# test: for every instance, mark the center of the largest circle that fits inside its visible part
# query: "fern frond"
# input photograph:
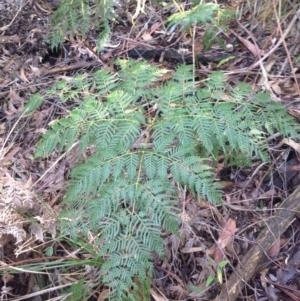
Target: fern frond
(104, 81)
(34, 102)
(77, 16)
(202, 13)
(123, 193)
(202, 127)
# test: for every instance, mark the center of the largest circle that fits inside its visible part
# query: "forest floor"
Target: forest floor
(259, 46)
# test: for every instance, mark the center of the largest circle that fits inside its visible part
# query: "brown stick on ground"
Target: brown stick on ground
(250, 263)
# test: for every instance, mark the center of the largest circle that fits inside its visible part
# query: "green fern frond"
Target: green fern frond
(33, 103)
(146, 137)
(104, 81)
(202, 13)
(78, 291)
(77, 18)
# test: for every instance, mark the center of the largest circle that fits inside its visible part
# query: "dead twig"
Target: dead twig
(68, 68)
(251, 262)
(3, 28)
(283, 36)
(285, 46)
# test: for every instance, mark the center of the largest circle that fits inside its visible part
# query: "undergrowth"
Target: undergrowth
(149, 139)
(77, 17)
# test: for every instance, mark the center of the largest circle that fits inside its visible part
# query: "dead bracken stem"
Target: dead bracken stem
(9, 134)
(297, 15)
(284, 35)
(54, 164)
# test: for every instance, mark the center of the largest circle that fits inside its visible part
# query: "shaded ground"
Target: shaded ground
(251, 194)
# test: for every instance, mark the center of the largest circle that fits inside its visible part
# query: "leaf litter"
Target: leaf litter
(208, 234)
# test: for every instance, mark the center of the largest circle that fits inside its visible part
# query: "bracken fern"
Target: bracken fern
(77, 17)
(146, 139)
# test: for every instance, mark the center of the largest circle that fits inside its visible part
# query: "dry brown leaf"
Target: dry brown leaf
(274, 250)
(254, 49)
(102, 295)
(14, 195)
(23, 76)
(290, 142)
(147, 37)
(225, 239)
(11, 154)
(276, 88)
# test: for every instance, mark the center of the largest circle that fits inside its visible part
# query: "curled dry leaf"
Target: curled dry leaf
(147, 37)
(253, 48)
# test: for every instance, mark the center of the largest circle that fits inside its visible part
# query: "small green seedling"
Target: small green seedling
(218, 272)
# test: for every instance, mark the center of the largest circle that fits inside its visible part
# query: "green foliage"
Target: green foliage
(77, 17)
(201, 13)
(211, 16)
(218, 25)
(77, 292)
(218, 271)
(211, 37)
(146, 138)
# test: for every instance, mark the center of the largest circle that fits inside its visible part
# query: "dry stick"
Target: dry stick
(69, 68)
(284, 35)
(251, 262)
(294, 49)
(285, 46)
(9, 134)
(47, 6)
(3, 28)
(48, 290)
(137, 42)
(55, 163)
(263, 69)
